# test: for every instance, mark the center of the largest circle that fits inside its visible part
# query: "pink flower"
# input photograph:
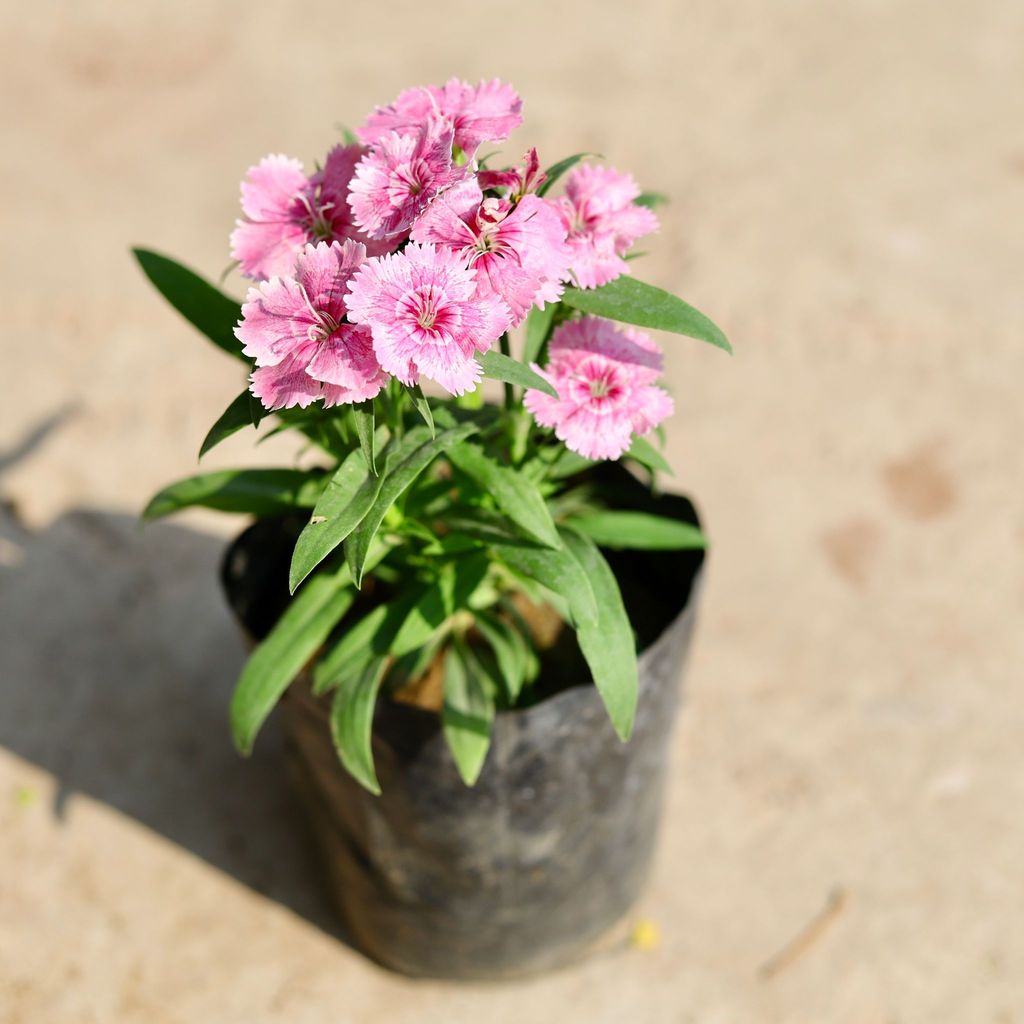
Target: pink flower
(426, 316)
(520, 180)
(518, 251)
(487, 112)
(274, 230)
(602, 222)
(604, 376)
(293, 327)
(284, 210)
(332, 213)
(395, 181)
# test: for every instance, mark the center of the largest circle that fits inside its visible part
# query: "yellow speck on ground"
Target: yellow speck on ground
(645, 936)
(24, 796)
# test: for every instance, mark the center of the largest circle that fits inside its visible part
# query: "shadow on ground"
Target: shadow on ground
(117, 657)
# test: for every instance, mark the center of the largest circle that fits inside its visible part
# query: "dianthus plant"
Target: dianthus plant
(432, 524)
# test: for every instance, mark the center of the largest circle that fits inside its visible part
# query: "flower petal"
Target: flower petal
(285, 385)
(276, 322)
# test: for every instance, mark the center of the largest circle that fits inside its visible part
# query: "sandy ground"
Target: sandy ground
(849, 194)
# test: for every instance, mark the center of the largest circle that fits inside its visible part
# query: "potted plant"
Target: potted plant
(474, 612)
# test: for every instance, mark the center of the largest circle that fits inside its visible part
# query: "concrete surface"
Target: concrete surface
(844, 837)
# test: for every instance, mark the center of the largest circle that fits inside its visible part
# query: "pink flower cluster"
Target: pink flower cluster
(402, 257)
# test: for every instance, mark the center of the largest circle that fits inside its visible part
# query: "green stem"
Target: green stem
(395, 396)
(520, 436)
(510, 398)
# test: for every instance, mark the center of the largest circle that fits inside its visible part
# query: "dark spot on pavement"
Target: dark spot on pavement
(851, 547)
(919, 485)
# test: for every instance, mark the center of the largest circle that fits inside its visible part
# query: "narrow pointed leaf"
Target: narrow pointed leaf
(638, 530)
(352, 723)
(204, 306)
(538, 327)
(501, 367)
(651, 199)
(411, 667)
(363, 416)
(569, 463)
(338, 512)
(296, 637)
(522, 632)
(397, 477)
(472, 528)
(607, 644)
(510, 652)
(642, 451)
(467, 714)
(350, 654)
(372, 636)
(424, 620)
(423, 407)
(244, 411)
(556, 170)
(452, 591)
(631, 301)
(260, 492)
(515, 495)
(559, 571)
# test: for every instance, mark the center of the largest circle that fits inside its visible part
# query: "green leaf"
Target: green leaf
(244, 411)
(569, 463)
(642, 451)
(344, 502)
(364, 420)
(513, 493)
(259, 492)
(411, 667)
(470, 526)
(454, 587)
(423, 407)
(372, 636)
(510, 652)
(326, 432)
(204, 306)
(351, 653)
(556, 170)
(608, 643)
(430, 499)
(423, 621)
(397, 477)
(522, 632)
(651, 199)
(557, 570)
(639, 530)
(352, 723)
(467, 714)
(296, 637)
(501, 367)
(633, 302)
(538, 327)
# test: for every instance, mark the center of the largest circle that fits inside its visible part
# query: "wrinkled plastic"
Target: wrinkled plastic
(551, 847)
